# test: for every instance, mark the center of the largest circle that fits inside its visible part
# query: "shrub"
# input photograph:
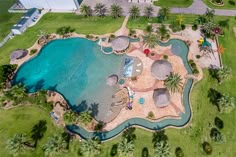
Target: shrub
(33, 51)
(179, 152)
(207, 148)
(190, 61)
(231, 2)
(89, 36)
(150, 115)
(198, 56)
(149, 28)
(165, 57)
(145, 152)
(112, 36)
(193, 65)
(183, 26)
(194, 27)
(99, 126)
(195, 71)
(114, 150)
(219, 123)
(216, 136)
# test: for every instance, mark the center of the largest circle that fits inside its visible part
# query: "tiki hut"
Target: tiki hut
(120, 43)
(161, 97)
(112, 80)
(18, 54)
(161, 69)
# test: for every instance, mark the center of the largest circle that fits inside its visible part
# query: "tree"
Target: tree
(179, 152)
(217, 136)
(55, 145)
(219, 123)
(16, 144)
(129, 134)
(125, 148)
(70, 117)
(85, 10)
(85, 117)
(164, 13)
(209, 14)
(163, 32)
(38, 131)
(222, 74)
(6, 73)
(150, 40)
(180, 19)
(158, 137)
(208, 28)
(65, 30)
(91, 147)
(174, 83)
(148, 29)
(148, 11)
(134, 12)
(100, 9)
(116, 11)
(162, 150)
(226, 104)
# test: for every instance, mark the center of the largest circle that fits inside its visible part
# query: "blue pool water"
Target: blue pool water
(77, 69)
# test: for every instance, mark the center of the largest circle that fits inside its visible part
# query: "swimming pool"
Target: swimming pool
(77, 69)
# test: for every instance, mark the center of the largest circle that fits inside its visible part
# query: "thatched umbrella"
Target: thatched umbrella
(112, 80)
(161, 97)
(120, 43)
(18, 54)
(161, 69)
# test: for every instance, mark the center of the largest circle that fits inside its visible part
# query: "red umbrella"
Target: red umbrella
(146, 51)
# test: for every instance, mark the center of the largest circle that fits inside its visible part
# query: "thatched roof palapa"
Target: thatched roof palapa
(161, 97)
(112, 80)
(18, 54)
(120, 43)
(161, 69)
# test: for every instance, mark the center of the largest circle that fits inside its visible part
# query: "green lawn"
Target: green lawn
(7, 20)
(226, 5)
(173, 3)
(50, 22)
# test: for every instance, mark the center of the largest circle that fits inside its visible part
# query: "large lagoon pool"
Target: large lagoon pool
(77, 69)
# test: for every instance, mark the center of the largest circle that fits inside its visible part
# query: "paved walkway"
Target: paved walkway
(198, 7)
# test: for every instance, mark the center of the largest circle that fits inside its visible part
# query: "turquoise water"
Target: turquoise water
(107, 49)
(77, 69)
(180, 49)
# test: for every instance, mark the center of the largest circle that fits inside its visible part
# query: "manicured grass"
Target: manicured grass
(226, 5)
(173, 3)
(7, 20)
(49, 24)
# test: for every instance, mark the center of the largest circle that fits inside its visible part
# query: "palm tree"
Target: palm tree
(163, 32)
(85, 10)
(174, 83)
(129, 134)
(208, 27)
(70, 117)
(116, 11)
(226, 104)
(125, 148)
(134, 12)
(164, 13)
(148, 11)
(18, 92)
(180, 19)
(100, 9)
(38, 131)
(209, 14)
(85, 117)
(223, 74)
(91, 147)
(162, 150)
(150, 40)
(55, 145)
(17, 144)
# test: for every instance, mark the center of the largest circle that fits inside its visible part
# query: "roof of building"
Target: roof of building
(161, 97)
(120, 43)
(161, 69)
(112, 80)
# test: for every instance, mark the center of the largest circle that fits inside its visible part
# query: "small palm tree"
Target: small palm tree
(163, 32)
(164, 13)
(55, 145)
(125, 148)
(209, 14)
(16, 144)
(162, 150)
(129, 134)
(208, 27)
(85, 117)
(180, 19)
(18, 92)
(150, 40)
(38, 131)
(223, 74)
(134, 12)
(100, 9)
(148, 11)
(174, 83)
(116, 11)
(70, 117)
(226, 104)
(91, 147)
(85, 10)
